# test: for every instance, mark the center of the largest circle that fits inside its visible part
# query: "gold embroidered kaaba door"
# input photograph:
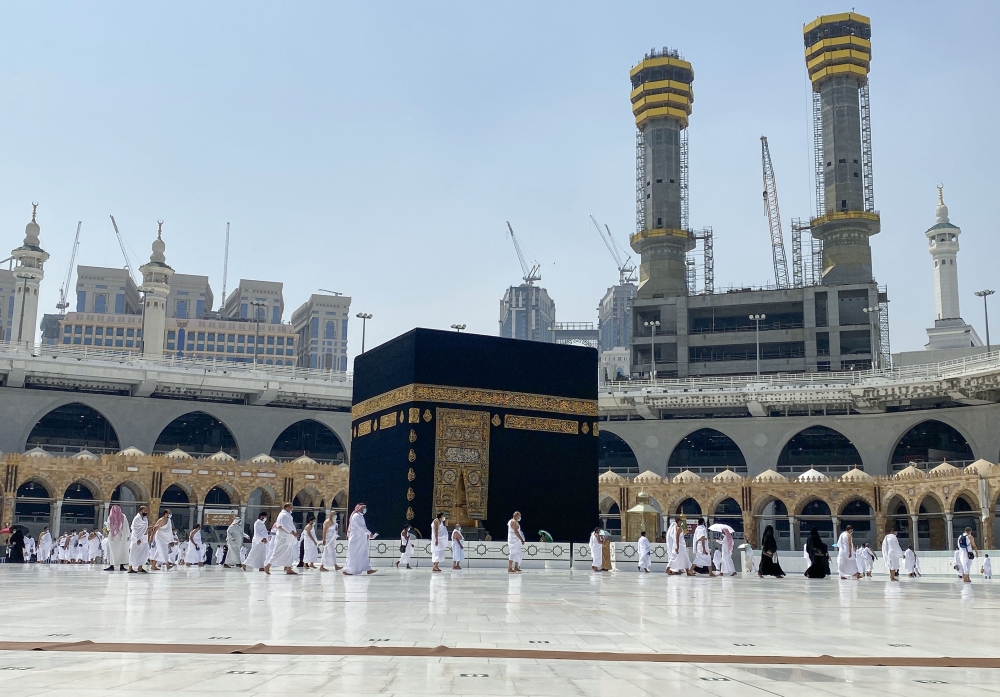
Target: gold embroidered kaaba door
(462, 464)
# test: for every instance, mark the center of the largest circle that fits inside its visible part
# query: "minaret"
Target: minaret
(155, 288)
(28, 274)
(950, 330)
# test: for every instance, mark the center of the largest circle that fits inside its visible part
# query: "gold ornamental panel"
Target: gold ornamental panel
(462, 464)
(473, 397)
(537, 423)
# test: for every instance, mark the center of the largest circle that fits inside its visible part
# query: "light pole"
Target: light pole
(986, 313)
(364, 317)
(25, 276)
(757, 319)
(652, 324)
(872, 313)
(257, 306)
(458, 327)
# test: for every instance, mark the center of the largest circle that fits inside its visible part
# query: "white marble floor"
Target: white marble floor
(489, 609)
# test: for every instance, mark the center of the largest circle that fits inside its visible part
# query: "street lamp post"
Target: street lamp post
(257, 305)
(458, 327)
(986, 314)
(25, 276)
(757, 319)
(872, 313)
(652, 324)
(364, 317)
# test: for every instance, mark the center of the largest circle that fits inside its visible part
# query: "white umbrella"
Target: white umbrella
(719, 527)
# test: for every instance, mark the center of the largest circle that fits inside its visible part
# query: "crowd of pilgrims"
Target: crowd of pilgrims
(131, 547)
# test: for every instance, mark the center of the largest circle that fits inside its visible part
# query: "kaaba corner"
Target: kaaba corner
(476, 427)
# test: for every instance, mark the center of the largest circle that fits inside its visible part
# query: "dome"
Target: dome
(726, 475)
(770, 476)
(610, 477)
(648, 477)
(177, 454)
(909, 473)
(85, 455)
(304, 460)
(220, 456)
(158, 246)
(31, 230)
(262, 459)
(686, 476)
(856, 475)
(812, 475)
(981, 467)
(131, 451)
(37, 452)
(945, 468)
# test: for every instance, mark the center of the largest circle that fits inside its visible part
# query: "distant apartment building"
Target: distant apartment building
(7, 282)
(262, 299)
(190, 296)
(320, 325)
(106, 291)
(527, 312)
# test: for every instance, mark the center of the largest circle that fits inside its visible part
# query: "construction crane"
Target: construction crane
(225, 270)
(773, 218)
(532, 273)
(121, 243)
(63, 303)
(626, 270)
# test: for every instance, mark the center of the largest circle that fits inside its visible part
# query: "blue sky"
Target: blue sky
(377, 148)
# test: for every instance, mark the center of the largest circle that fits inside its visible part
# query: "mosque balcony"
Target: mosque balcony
(107, 372)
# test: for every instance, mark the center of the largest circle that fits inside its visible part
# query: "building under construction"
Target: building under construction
(828, 314)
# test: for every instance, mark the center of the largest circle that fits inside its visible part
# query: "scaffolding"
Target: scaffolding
(798, 275)
(817, 260)
(818, 167)
(640, 181)
(685, 219)
(883, 328)
(691, 273)
(866, 148)
(705, 237)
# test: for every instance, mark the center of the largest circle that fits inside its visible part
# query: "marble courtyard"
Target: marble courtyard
(544, 632)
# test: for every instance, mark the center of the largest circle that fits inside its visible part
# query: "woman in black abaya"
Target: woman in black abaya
(769, 556)
(819, 556)
(16, 547)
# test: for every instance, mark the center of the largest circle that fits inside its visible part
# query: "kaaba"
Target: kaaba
(476, 427)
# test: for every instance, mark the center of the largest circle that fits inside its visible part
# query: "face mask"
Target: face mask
(364, 511)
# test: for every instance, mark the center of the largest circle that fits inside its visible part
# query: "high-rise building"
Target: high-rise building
(661, 102)
(106, 291)
(614, 317)
(838, 59)
(30, 259)
(190, 296)
(320, 325)
(527, 312)
(260, 298)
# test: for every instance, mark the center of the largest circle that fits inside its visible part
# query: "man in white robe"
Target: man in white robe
(892, 555)
(668, 537)
(987, 567)
(194, 555)
(139, 547)
(286, 543)
(681, 561)
(118, 538)
(405, 547)
(644, 554)
(29, 548)
(234, 542)
(847, 562)
(457, 548)
(515, 542)
(220, 554)
(44, 546)
(162, 536)
(330, 531)
(358, 550)
(439, 541)
(702, 556)
(596, 550)
(310, 546)
(967, 548)
(727, 567)
(258, 546)
(909, 559)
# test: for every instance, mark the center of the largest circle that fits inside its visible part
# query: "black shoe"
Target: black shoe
(122, 567)
(110, 568)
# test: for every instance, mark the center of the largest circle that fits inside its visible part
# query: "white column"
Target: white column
(22, 328)
(949, 530)
(56, 516)
(914, 520)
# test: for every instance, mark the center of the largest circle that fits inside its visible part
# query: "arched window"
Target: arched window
(79, 509)
(728, 511)
(689, 507)
(308, 437)
(33, 507)
(72, 428)
(615, 454)
(928, 443)
(819, 448)
(198, 434)
(706, 451)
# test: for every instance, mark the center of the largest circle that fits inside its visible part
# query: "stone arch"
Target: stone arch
(728, 511)
(177, 493)
(614, 454)
(197, 433)
(79, 508)
(33, 505)
(929, 441)
(606, 503)
(771, 510)
(818, 447)
(263, 499)
(966, 514)
(222, 495)
(706, 451)
(340, 499)
(849, 505)
(71, 428)
(309, 437)
(689, 506)
(129, 495)
(179, 498)
(931, 529)
(814, 505)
